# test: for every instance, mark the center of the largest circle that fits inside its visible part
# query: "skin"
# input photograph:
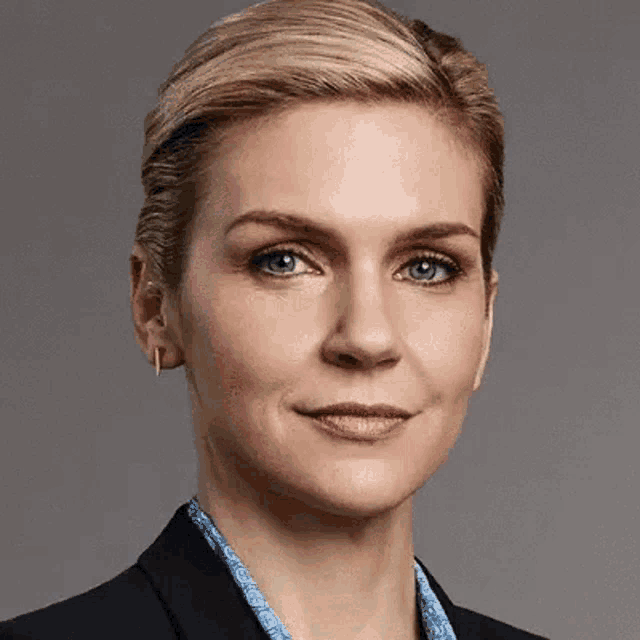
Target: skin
(324, 525)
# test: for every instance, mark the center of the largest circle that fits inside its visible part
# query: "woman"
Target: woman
(323, 184)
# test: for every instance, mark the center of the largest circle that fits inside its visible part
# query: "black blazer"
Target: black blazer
(179, 588)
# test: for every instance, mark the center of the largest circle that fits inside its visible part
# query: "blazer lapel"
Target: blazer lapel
(447, 605)
(196, 588)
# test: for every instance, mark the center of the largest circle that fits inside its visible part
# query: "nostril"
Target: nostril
(348, 360)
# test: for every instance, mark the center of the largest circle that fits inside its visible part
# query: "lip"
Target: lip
(357, 428)
(359, 410)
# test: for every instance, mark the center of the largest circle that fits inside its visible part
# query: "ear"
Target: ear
(488, 327)
(155, 317)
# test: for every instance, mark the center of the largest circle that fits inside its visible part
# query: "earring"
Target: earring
(157, 361)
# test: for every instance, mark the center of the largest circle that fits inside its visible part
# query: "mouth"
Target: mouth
(358, 410)
(358, 422)
(360, 429)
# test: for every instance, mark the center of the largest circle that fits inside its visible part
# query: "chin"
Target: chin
(360, 490)
(363, 483)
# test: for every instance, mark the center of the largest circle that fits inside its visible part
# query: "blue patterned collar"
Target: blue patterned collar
(434, 619)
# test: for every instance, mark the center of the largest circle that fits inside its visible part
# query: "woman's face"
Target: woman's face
(278, 318)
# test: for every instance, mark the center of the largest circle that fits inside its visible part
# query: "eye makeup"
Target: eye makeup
(292, 253)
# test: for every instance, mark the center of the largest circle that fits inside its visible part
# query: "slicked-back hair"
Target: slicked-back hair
(278, 54)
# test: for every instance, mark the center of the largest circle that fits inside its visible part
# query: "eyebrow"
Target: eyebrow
(296, 222)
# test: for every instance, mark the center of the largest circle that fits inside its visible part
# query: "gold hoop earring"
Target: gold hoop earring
(157, 361)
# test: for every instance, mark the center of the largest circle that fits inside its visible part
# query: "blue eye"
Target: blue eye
(428, 270)
(278, 261)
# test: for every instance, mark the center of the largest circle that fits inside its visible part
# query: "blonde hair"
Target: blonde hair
(280, 53)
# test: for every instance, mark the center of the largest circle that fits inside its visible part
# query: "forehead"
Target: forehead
(349, 164)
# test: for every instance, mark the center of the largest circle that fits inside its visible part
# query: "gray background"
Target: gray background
(534, 520)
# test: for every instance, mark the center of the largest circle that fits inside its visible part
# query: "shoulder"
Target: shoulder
(124, 607)
(470, 625)
(178, 588)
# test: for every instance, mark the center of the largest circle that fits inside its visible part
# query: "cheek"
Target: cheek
(448, 344)
(251, 339)
(258, 342)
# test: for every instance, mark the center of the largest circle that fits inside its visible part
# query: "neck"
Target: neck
(322, 572)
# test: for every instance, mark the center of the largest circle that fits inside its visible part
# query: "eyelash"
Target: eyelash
(454, 269)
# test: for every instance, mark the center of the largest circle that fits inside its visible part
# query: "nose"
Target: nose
(362, 335)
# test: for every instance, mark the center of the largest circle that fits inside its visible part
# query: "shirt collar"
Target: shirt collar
(435, 624)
